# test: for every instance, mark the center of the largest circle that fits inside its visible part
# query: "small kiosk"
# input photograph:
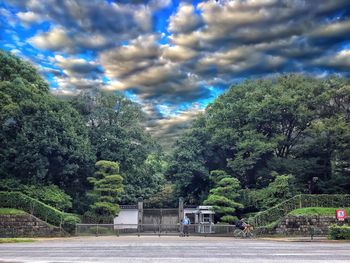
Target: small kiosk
(204, 218)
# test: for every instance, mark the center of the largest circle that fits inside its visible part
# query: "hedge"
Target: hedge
(299, 201)
(339, 232)
(34, 207)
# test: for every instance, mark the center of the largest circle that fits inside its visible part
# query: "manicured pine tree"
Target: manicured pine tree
(224, 195)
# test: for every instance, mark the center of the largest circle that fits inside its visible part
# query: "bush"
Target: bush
(51, 195)
(317, 211)
(11, 211)
(339, 232)
(69, 223)
(93, 218)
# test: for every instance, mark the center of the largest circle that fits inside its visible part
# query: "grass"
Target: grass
(15, 240)
(11, 211)
(317, 211)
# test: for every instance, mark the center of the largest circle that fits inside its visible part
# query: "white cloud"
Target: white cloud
(185, 20)
(56, 39)
(73, 66)
(340, 60)
(177, 53)
(332, 29)
(28, 18)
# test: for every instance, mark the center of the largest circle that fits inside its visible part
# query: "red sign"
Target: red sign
(340, 214)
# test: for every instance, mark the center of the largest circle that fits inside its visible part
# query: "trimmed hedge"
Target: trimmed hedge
(339, 232)
(11, 211)
(317, 211)
(34, 207)
(299, 201)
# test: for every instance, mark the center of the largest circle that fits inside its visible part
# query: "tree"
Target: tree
(107, 189)
(223, 196)
(163, 198)
(265, 120)
(117, 134)
(280, 189)
(188, 169)
(43, 139)
(295, 126)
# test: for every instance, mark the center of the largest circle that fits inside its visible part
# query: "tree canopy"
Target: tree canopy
(292, 125)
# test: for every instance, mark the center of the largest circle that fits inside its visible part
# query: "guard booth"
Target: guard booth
(204, 218)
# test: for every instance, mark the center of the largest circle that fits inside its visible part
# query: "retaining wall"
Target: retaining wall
(26, 226)
(301, 226)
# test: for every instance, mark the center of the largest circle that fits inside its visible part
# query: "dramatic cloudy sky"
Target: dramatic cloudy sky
(174, 57)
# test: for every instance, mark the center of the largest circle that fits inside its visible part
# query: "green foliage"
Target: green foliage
(188, 166)
(108, 187)
(46, 140)
(69, 223)
(278, 190)
(294, 126)
(50, 195)
(11, 211)
(299, 201)
(32, 206)
(224, 195)
(163, 198)
(43, 139)
(316, 211)
(229, 219)
(116, 131)
(339, 232)
(13, 68)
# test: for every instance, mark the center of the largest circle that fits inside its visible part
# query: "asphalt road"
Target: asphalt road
(173, 249)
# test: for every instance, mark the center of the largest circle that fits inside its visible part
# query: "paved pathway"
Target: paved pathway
(173, 249)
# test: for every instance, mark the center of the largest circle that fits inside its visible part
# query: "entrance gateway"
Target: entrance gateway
(132, 216)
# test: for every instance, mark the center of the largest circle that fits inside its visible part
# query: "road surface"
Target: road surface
(173, 250)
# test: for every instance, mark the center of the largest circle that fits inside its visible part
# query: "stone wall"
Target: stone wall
(303, 225)
(26, 226)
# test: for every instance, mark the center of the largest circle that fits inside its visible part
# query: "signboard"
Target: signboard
(340, 214)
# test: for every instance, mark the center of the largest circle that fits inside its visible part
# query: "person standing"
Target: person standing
(185, 224)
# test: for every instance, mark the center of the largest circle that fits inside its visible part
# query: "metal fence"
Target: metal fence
(153, 229)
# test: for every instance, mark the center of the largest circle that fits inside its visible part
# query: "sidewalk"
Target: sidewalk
(303, 239)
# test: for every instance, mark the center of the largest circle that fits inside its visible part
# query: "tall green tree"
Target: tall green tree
(188, 168)
(43, 139)
(117, 133)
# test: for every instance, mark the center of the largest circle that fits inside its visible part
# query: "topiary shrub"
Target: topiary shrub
(339, 232)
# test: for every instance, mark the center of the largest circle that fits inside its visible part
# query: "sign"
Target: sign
(340, 214)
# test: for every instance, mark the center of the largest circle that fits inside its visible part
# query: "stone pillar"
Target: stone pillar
(181, 209)
(140, 214)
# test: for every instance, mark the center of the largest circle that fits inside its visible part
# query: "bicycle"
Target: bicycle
(247, 232)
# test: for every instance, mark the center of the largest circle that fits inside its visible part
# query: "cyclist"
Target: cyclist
(245, 229)
(241, 224)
